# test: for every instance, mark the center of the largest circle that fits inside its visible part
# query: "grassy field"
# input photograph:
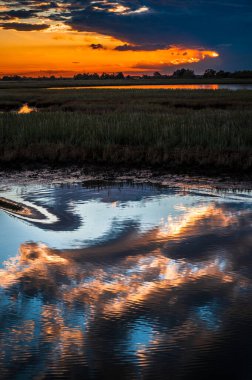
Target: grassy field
(184, 129)
(113, 83)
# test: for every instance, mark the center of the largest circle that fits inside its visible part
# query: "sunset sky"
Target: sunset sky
(71, 36)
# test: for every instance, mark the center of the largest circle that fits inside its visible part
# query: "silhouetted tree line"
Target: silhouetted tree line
(210, 73)
(18, 77)
(179, 74)
(97, 76)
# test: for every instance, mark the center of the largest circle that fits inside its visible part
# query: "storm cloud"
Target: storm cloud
(224, 25)
(97, 47)
(20, 14)
(23, 27)
(142, 47)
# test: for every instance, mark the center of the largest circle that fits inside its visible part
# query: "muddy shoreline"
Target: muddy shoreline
(19, 209)
(93, 175)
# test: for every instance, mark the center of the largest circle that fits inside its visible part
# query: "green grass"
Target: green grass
(209, 129)
(109, 100)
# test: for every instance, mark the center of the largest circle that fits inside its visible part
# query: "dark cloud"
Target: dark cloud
(200, 24)
(38, 5)
(97, 47)
(143, 47)
(168, 67)
(21, 14)
(23, 27)
(47, 6)
(224, 25)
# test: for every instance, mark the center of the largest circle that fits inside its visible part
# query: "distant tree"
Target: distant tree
(77, 77)
(157, 75)
(85, 76)
(119, 76)
(243, 74)
(183, 73)
(95, 76)
(224, 74)
(12, 77)
(209, 73)
(105, 76)
(81, 76)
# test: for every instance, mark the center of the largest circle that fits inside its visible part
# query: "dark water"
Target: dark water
(232, 87)
(126, 283)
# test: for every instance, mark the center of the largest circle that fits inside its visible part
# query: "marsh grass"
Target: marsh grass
(211, 129)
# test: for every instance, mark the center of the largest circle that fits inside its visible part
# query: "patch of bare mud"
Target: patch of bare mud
(94, 175)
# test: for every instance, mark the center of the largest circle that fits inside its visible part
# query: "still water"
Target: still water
(126, 282)
(232, 87)
(25, 109)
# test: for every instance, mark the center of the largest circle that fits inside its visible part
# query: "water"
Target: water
(232, 87)
(25, 109)
(126, 282)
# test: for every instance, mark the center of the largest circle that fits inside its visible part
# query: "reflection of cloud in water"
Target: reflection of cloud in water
(35, 257)
(186, 223)
(86, 291)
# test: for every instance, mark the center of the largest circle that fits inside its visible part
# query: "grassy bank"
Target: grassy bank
(116, 82)
(188, 129)
(124, 101)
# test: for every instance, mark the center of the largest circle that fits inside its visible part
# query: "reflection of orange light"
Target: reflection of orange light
(39, 254)
(25, 109)
(114, 204)
(21, 210)
(127, 287)
(33, 259)
(129, 284)
(176, 227)
(54, 328)
(171, 274)
(145, 86)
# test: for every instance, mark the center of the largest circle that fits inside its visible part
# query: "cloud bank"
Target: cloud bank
(224, 25)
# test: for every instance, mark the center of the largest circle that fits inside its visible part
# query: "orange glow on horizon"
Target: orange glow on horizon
(62, 51)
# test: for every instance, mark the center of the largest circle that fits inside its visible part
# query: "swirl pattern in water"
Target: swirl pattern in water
(125, 282)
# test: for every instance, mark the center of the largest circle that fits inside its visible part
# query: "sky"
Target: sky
(134, 36)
